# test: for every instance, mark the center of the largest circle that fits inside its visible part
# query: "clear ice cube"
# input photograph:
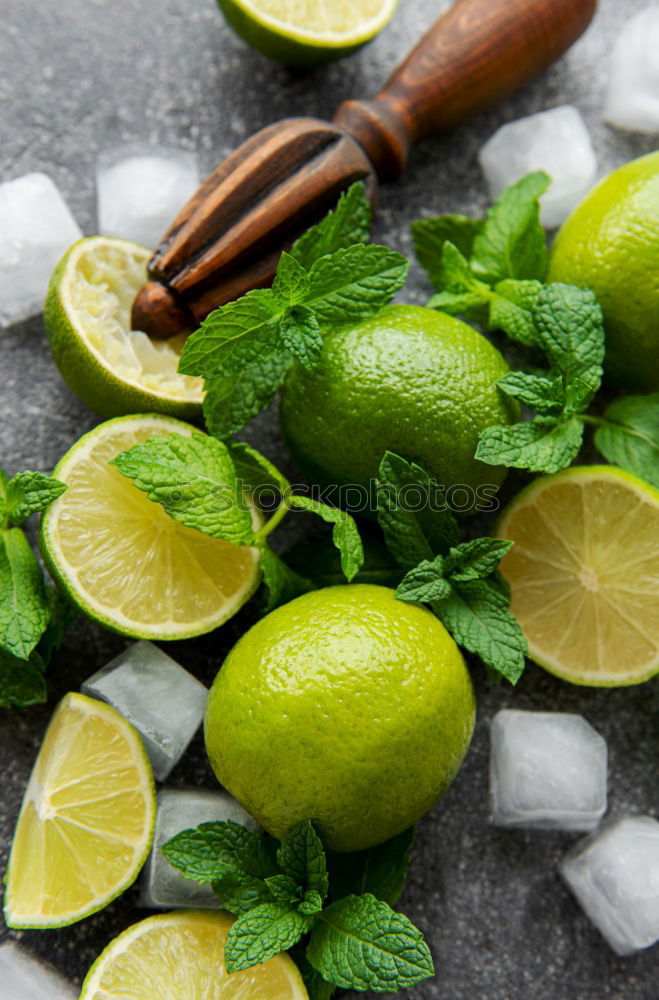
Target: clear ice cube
(36, 227)
(615, 876)
(23, 977)
(141, 192)
(162, 887)
(632, 99)
(548, 770)
(556, 141)
(163, 701)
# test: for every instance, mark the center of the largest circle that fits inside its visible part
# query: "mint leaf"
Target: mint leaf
(477, 616)
(61, 614)
(233, 337)
(430, 235)
(541, 445)
(312, 903)
(543, 393)
(471, 304)
(300, 334)
(282, 583)
(194, 480)
(240, 892)
(213, 849)
(475, 560)
(28, 493)
(302, 857)
(380, 870)
(462, 293)
(629, 436)
(265, 931)
(347, 224)
(320, 560)
(571, 331)
(232, 400)
(254, 471)
(512, 243)
(283, 889)
(361, 943)
(291, 281)
(344, 535)
(415, 520)
(424, 583)
(511, 309)
(24, 610)
(351, 284)
(22, 682)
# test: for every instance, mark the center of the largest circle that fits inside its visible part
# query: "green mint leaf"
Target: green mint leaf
(470, 304)
(232, 400)
(478, 617)
(430, 235)
(312, 903)
(416, 523)
(351, 284)
(28, 493)
(61, 614)
(24, 610)
(475, 560)
(194, 480)
(512, 243)
(379, 870)
(545, 394)
(233, 337)
(541, 445)
(265, 931)
(361, 943)
(320, 560)
(282, 583)
(239, 892)
(254, 471)
(629, 436)
(206, 853)
(347, 224)
(300, 334)
(345, 534)
(302, 857)
(511, 310)
(571, 331)
(455, 275)
(22, 682)
(424, 583)
(291, 281)
(283, 889)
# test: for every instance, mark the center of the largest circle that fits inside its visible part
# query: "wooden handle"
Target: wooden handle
(474, 56)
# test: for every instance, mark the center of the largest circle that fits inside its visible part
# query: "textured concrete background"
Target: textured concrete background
(80, 75)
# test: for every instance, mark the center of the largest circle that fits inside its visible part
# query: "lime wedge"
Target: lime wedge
(584, 574)
(304, 32)
(180, 956)
(113, 369)
(86, 822)
(124, 561)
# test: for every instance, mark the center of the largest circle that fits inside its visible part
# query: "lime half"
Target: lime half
(123, 560)
(180, 956)
(113, 369)
(304, 32)
(584, 574)
(86, 823)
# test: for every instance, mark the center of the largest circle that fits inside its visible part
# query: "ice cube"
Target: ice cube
(140, 193)
(615, 876)
(182, 809)
(556, 141)
(547, 770)
(36, 227)
(632, 99)
(23, 977)
(162, 700)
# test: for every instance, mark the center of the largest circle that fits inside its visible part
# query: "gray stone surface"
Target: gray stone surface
(80, 75)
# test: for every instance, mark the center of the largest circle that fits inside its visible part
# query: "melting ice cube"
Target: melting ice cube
(23, 977)
(632, 99)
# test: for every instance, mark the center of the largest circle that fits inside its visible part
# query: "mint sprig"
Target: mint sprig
(334, 908)
(459, 582)
(628, 435)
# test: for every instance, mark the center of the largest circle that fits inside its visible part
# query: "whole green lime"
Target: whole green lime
(347, 707)
(409, 380)
(610, 243)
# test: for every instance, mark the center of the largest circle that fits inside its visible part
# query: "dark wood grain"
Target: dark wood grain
(229, 236)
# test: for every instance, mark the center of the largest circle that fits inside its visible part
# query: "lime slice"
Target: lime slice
(304, 32)
(125, 562)
(113, 369)
(584, 574)
(180, 956)
(86, 823)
